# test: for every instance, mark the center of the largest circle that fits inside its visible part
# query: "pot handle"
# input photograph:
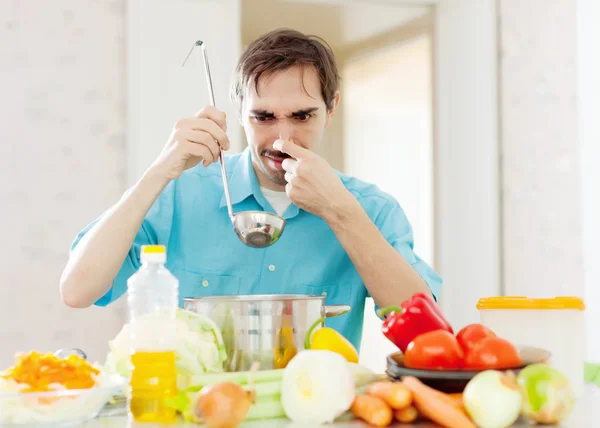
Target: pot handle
(335, 310)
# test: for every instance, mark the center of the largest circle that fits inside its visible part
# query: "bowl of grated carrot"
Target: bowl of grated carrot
(42, 388)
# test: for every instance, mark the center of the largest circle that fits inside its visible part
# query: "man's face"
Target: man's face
(290, 106)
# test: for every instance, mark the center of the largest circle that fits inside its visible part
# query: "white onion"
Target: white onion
(493, 399)
(317, 387)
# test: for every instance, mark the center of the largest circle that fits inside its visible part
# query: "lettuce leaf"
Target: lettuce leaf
(200, 348)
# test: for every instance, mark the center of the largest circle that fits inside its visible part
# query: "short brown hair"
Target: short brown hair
(279, 50)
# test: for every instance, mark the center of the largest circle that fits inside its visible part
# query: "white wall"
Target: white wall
(542, 245)
(387, 120)
(340, 23)
(588, 107)
(362, 20)
(551, 151)
(62, 163)
(159, 91)
(74, 77)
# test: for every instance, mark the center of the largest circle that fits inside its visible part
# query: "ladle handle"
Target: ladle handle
(211, 95)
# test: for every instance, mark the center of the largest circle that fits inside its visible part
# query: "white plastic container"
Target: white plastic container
(555, 324)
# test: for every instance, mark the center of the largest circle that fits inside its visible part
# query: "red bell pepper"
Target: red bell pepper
(417, 315)
(434, 305)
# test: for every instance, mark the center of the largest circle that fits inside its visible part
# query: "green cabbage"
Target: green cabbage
(592, 373)
(200, 348)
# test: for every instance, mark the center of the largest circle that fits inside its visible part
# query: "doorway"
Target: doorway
(388, 141)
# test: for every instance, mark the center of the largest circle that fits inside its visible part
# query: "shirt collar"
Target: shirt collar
(243, 183)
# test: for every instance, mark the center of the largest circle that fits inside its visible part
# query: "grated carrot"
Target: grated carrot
(46, 372)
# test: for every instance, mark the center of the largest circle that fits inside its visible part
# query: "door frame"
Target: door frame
(467, 156)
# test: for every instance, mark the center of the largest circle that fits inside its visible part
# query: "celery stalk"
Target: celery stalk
(266, 410)
(265, 389)
(362, 376)
(268, 399)
(240, 378)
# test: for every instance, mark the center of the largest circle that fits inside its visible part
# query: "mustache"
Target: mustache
(274, 154)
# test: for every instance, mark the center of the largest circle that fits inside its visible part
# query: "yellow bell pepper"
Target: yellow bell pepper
(285, 349)
(330, 340)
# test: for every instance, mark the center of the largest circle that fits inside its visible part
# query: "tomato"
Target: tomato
(493, 353)
(470, 335)
(437, 349)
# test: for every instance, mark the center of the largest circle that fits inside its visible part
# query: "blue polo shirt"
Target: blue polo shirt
(190, 218)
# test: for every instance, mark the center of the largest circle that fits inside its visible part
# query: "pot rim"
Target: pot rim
(256, 297)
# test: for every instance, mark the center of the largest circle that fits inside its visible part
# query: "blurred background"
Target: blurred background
(479, 116)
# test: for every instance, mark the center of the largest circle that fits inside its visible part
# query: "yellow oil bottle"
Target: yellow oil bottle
(153, 380)
(152, 298)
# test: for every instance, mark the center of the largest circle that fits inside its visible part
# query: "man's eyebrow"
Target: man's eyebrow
(265, 113)
(261, 113)
(305, 111)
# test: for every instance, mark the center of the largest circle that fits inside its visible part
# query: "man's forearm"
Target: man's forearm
(389, 278)
(97, 258)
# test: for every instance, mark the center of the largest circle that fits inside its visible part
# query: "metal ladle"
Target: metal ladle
(65, 352)
(257, 229)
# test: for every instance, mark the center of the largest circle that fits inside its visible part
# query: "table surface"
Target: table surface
(586, 410)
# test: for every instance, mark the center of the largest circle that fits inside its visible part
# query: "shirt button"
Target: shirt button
(324, 293)
(205, 283)
(271, 268)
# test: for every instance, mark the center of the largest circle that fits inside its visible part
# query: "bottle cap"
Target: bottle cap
(153, 254)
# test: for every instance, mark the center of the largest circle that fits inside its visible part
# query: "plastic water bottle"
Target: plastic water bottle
(153, 293)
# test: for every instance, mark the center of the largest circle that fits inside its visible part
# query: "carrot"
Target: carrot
(407, 415)
(372, 410)
(457, 398)
(396, 395)
(454, 399)
(435, 405)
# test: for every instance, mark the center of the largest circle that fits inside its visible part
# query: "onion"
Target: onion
(547, 394)
(317, 387)
(222, 405)
(492, 399)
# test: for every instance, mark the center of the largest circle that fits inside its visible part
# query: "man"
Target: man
(344, 239)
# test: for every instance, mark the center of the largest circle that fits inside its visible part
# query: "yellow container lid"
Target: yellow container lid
(522, 302)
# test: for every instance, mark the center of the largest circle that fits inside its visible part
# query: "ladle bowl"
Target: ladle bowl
(258, 229)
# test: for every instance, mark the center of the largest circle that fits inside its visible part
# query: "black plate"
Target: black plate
(456, 380)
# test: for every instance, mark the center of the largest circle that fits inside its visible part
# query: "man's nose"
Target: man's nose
(286, 130)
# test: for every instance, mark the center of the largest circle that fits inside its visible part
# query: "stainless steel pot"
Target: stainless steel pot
(269, 328)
